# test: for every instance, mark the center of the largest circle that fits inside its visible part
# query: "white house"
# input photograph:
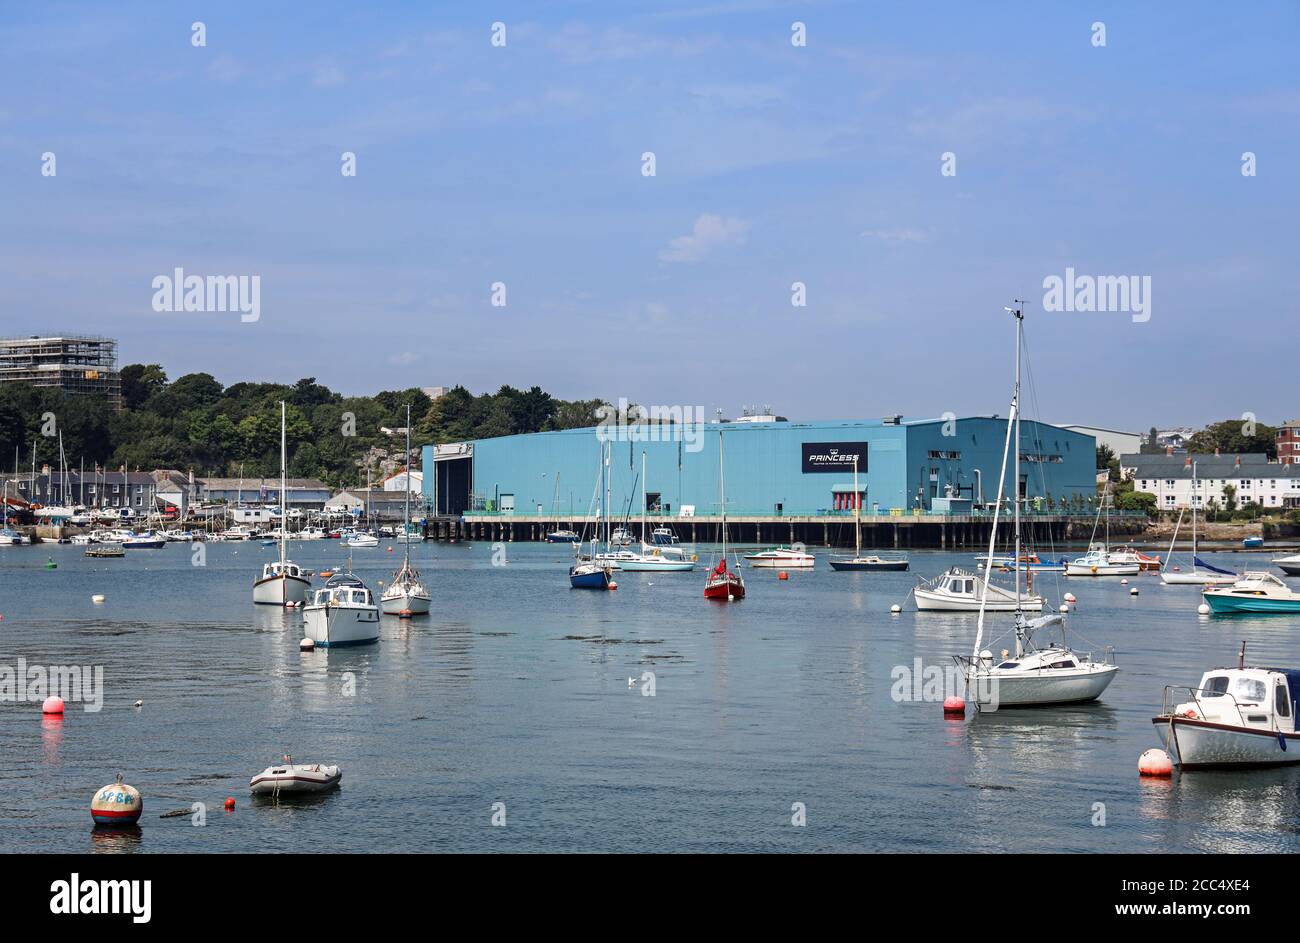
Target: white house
(398, 481)
(1251, 475)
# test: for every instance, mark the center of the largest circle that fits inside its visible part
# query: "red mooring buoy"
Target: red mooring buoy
(952, 704)
(52, 705)
(1155, 763)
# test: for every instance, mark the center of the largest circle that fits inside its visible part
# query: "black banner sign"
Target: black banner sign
(835, 457)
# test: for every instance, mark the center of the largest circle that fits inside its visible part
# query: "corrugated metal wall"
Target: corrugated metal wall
(765, 465)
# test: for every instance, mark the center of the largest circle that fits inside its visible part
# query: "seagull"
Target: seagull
(631, 682)
(138, 704)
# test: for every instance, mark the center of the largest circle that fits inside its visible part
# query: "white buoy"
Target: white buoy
(1124, 581)
(1133, 591)
(1064, 608)
(895, 608)
(1203, 609)
(1069, 597)
(306, 645)
(97, 598)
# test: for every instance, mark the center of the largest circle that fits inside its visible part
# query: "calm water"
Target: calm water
(516, 691)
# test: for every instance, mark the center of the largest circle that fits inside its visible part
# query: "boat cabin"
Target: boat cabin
(274, 568)
(344, 590)
(958, 582)
(1264, 698)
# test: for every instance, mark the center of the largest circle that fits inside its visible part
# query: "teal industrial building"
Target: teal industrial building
(776, 471)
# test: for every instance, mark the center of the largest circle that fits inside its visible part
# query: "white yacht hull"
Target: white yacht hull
(782, 563)
(1102, 569)
(334, 625)
(1197, 579)
(278, 590)
(1043, 687)
(930, 601)
(656, 565)
(1200, 744)
(398, 603)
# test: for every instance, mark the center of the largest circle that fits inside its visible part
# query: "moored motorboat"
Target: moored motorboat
(1254, 592)
(1097, 562)
(1235, 717)
(108, 551)
(1289, 565)
(146, 541)
(562, 537)
(289, 777)
(1253, 543)
(959, 590)
(781, 557)
(342, 613)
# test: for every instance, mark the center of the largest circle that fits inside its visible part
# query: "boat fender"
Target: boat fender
(1094, 568)
(1281, 740)
(1190, 713)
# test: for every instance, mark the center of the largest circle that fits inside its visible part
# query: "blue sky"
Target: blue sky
(774, 164)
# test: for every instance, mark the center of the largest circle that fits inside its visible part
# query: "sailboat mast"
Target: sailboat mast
(284, 496)
(643, 499)
(857, 512)
(406, 521)
(722, 484)
(1195, 489)
(1015, 483)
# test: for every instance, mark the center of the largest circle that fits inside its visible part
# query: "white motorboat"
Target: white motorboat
(359, 539)
(1033, 676)
(1235, 717)
(342, 613)
(83, 540)
(406, 595)
(238, 532)
(311, 533)
(782, 557)
(290, 777)
(1254, 592)
(621, 537)
(959, 590)
(1289, 565)
(1097, 562)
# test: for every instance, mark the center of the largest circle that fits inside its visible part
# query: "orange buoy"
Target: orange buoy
(53, 705)
(612, 585)
(1155, 763)
(230, 803)
(116, 804)
(783, 575)
(952, 704)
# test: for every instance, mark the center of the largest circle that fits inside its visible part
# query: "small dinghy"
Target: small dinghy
(289, 777)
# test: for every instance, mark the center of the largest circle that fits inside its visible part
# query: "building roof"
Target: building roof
(255, 484)
(1253, 465)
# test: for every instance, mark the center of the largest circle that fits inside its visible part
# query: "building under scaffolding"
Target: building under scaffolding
(77, 364)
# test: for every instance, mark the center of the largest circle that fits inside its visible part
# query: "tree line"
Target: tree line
(196, 423)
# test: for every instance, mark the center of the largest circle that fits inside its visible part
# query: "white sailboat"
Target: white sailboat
(1034, 675)
(282, 582)
(1202, 573)
(406, 595)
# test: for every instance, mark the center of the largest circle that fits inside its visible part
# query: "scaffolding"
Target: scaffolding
(75, 363)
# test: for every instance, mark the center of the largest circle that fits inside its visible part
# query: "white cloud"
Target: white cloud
(709, 233)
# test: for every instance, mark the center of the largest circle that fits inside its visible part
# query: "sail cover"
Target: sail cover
(1213, 569)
